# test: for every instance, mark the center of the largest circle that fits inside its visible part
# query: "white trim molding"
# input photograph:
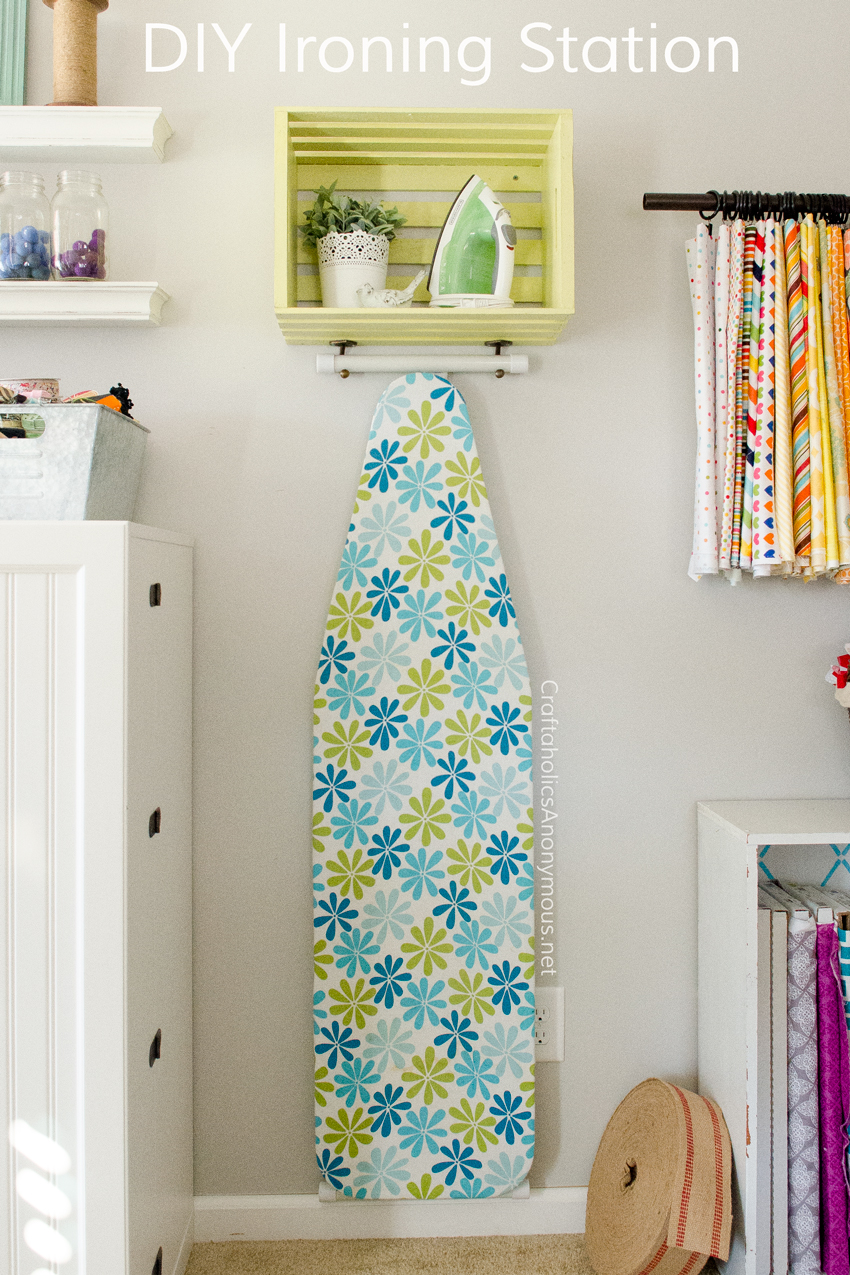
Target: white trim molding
(82, 303)
(547, 1211)
(77, 134)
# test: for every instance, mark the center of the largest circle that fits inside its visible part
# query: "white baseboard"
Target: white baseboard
(185, 1246)
(548, 1211)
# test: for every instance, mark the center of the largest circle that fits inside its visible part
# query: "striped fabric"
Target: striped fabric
(817, 559)
(702, 1221)
(841, 502)
(798, 314)
(742, 383)
(733, 328)
(843, 576)
(752, 396)
(783, 464)
(764, 526)
(830, 528)
(837, 284)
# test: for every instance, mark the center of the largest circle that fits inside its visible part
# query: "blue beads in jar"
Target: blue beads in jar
(25, 238)
(25, 254)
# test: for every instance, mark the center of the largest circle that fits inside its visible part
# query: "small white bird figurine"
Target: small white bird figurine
(389, 296)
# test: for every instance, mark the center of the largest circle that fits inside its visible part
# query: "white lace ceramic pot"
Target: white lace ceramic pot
(348, 261)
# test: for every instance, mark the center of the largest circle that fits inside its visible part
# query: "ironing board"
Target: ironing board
(422, 829)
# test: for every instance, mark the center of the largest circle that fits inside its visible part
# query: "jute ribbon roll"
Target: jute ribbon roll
(75, 51)
(660, 1195)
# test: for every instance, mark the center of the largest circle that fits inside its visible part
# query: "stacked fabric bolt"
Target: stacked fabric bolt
(772, 380)
(85, 260)
(25, 254)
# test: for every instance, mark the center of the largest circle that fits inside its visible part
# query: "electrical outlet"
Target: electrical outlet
(549, 1024)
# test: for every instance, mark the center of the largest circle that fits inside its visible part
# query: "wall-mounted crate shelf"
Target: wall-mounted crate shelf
(87, 303)
(83, 134)
(419, 160)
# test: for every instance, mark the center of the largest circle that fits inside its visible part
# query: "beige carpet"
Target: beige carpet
(496, 1255)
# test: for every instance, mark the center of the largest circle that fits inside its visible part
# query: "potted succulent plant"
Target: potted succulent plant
(352, 238)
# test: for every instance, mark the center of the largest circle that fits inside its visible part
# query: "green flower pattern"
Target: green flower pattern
(418, 857)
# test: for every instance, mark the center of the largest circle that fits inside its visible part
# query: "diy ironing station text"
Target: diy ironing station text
(167, 49)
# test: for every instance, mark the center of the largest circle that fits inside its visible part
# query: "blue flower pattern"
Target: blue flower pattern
(408, 802)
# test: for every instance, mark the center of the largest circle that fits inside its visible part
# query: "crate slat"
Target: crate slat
(529, 252)
(503, 148)
(315, 326)
(528, 119)
(426, 213)
(440, 174)
(526, 288)
(325, 128)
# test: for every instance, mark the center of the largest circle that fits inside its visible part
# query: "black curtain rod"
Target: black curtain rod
(750, 204)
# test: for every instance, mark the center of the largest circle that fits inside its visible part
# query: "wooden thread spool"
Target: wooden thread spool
(75, 51)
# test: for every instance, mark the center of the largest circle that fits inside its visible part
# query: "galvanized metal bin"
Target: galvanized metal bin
(86, 464)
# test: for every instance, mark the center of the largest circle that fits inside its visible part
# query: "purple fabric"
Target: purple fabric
(834, 1094)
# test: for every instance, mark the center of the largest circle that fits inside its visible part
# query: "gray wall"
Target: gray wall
(669, 691)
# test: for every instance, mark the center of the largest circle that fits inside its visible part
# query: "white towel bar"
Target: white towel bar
(517, 364)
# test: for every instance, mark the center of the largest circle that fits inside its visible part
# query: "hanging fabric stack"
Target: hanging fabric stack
(772, 384)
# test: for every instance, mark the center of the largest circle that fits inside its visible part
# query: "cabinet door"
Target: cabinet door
(159, 935)
(39, 910)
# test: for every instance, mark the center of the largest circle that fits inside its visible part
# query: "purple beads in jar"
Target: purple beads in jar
(85, 259)
(80, 218)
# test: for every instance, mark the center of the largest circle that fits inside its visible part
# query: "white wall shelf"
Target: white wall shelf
(87, 303)
(90, 134)
(733, 838)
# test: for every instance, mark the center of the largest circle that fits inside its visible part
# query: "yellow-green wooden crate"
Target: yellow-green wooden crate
(416, 152)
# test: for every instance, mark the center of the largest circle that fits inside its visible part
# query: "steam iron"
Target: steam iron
(473, 264)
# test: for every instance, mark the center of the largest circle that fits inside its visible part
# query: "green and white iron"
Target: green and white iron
(473, 263)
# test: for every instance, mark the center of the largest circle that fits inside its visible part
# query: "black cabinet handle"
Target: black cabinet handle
(156, 595)
(155, 1051)
(157, 1266)
(155, 823)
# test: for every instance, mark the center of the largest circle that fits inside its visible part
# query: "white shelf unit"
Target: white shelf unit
(76, 135)
(95, 913)
(81, 303)
(83, 134)
(806, 839)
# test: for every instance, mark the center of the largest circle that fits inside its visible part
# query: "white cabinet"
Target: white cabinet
(95, 897)
(804, 841)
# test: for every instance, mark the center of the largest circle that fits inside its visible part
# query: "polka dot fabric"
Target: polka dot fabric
(700, 255)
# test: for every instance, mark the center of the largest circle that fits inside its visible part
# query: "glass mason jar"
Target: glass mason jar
(80, 223)
(24, 227)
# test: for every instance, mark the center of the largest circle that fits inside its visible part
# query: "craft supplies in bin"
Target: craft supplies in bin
(24, 227)
(38, 389)
(85, 464)
(80, 224)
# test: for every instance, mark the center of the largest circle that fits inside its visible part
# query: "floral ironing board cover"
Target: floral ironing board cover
(422, 829)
